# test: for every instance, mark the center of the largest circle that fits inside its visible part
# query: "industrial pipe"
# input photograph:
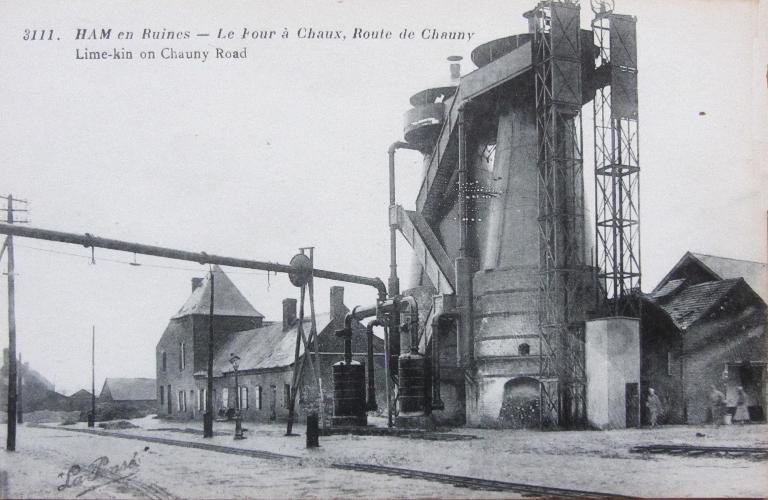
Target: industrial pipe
(371, 403)
(90, 241)
(437, 321)
(413, 323)
(463, 267)
(462, 132)
(394, 281)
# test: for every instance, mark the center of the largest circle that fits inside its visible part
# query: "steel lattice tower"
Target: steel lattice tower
(617, 164)
(557, 70)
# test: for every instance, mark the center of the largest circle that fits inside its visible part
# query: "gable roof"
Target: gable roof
(754, 273)
(266, 347)
(227, 299)
(693, 302)
(82, 393)
(130, 389)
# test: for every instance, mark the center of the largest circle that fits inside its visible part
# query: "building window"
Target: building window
(243, 398)
(669, 363)
(164, 361)
(180, 398)
(192, 397)
(162, 395)
(523, 350)
(225, 397)
(258, 397)
(286, 395)
(182, 359)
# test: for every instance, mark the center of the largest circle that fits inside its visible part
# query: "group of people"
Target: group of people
(717, 403)
(718, 406)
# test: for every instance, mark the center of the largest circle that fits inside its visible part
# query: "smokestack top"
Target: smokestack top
(289, 313)
(455, 69)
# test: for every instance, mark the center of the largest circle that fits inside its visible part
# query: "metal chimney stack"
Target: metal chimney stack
(455, 68)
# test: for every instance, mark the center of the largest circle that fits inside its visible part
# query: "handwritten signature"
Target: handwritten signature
(98, 470)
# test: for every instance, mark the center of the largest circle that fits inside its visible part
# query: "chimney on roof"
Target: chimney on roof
(196, 283)
(289, 313)
(338, 310)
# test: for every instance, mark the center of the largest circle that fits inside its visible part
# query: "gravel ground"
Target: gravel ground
(596, 461)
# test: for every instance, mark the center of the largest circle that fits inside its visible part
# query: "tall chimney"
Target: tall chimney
(289, 313)
(196, 283)
(338, 310)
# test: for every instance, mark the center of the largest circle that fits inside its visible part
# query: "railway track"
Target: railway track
(478, 483)
(459, 481)
(184, 444)
(694, 451)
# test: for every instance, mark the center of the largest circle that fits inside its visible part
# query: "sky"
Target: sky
(286, 148)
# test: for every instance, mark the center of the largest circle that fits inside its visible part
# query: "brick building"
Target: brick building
(266, 350)
(183, 347)
(705, 324)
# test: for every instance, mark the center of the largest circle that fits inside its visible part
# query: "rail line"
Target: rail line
(268, 455)
(478, 483)
(694, 450)
(460, 481)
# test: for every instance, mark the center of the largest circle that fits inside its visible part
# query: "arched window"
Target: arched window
(164, 365)
(523, 350)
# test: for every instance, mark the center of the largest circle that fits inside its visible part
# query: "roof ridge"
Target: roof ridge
(728, 258)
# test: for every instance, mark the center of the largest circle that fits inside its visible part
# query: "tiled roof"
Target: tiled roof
(265, 347)
(668, 288)
(689, 305)
(227, 299)
(130, 389)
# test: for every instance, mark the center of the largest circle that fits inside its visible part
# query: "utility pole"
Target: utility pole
(12, 369)
(92, 417)
(208, 415)
(19, 403)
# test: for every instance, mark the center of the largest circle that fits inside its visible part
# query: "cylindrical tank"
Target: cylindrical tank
(413, 385)
(349, 394)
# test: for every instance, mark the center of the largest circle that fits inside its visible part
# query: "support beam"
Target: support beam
(90, 241)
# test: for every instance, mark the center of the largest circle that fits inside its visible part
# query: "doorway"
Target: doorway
(632, 404)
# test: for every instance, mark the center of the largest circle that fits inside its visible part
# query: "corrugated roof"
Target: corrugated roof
(265, 347)
(693, 302)
(227, 299)
(131, 389)
(754, 273)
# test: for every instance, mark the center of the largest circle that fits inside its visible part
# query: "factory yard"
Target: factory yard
(44, 465)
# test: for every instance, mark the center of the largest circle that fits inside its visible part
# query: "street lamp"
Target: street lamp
(235, 361)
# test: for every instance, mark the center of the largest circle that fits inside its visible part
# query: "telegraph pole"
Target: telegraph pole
(92, 417)
(12, 367)
(208, 415)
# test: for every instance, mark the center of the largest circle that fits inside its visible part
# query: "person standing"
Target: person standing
(716, 403)
(653, 403)
(742, 412)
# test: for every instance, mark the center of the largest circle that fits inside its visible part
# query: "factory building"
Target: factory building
(266, 350)
(706, 324)
(504, 270)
